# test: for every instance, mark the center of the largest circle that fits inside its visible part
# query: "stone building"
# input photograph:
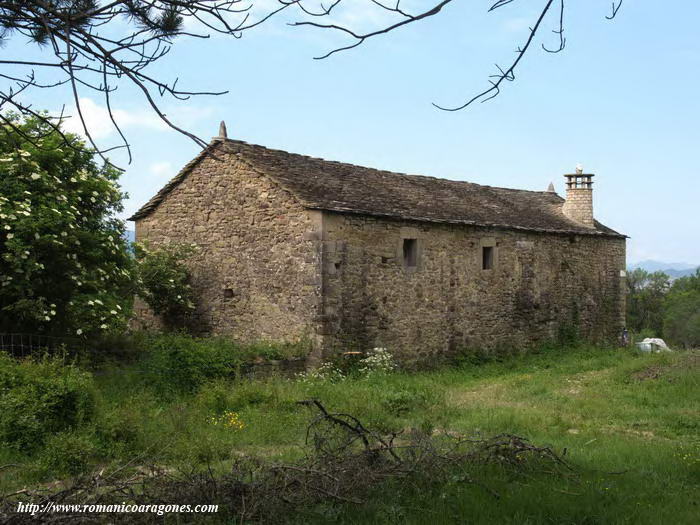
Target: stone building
(295, 248)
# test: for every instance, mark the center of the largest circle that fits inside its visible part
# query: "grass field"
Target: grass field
(629, 423)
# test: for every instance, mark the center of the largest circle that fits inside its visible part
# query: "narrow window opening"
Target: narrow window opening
(337, 266)
(410, 253)
(487, 258)
(228, 293)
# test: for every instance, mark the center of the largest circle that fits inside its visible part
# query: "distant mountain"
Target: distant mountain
(130, 235)
(673, 270)
(675, 274)
(655, 266)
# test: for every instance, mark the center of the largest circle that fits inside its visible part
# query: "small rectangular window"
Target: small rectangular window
(410, 253)
(487, 257)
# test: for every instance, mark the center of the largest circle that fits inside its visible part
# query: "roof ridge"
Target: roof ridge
(342, 187)
(378, 170)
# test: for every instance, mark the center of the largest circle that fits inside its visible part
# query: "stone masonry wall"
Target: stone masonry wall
(540, 284)
(268, 269)
(255, 276)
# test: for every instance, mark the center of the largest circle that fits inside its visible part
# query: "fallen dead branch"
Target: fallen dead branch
(344, 460)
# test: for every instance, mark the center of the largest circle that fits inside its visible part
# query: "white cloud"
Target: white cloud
(161, 169)
(99, 123)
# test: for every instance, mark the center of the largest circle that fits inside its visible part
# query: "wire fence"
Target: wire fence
(75, 350)
(31, 345)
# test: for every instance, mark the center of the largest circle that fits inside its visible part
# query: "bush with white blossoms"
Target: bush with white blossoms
(64, 264)
(378, 360)
(163, 279)
(325, 373)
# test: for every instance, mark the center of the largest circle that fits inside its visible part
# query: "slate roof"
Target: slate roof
(336, 186)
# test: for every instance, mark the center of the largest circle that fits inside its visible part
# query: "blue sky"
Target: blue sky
(622, 99)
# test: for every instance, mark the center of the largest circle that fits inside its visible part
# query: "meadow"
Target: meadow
(626, 423)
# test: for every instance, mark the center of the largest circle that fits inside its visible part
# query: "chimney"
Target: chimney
(579, 197)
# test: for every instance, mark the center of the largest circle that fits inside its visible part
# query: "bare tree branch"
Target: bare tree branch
(559, 32)
(361, 37)
(507, 74)
(615, 9)
(86, 49)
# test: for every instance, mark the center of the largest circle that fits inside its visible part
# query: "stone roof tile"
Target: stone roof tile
(347, 188)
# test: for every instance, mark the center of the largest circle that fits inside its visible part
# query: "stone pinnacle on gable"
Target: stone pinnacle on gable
(222, 131)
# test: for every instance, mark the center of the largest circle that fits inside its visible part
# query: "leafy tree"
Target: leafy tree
(64, 263)
(645, 302)
(682, 311)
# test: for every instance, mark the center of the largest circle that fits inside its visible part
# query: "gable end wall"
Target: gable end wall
(255, 243)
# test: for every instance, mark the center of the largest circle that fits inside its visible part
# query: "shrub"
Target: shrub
(67, 453)
(407, 399)
(179, 363)
(164, 279)
(216, 396)
(222, 395)
(116, 430)
(40, 398)
(682, 312)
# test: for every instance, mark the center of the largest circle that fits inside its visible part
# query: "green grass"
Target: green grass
(629, 424)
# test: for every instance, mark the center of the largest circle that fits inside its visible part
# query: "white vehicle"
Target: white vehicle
(652, 344)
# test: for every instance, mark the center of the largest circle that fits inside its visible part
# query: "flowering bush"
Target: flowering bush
(164, 279)
(326, 372)
(379, 360)
(64, 262)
